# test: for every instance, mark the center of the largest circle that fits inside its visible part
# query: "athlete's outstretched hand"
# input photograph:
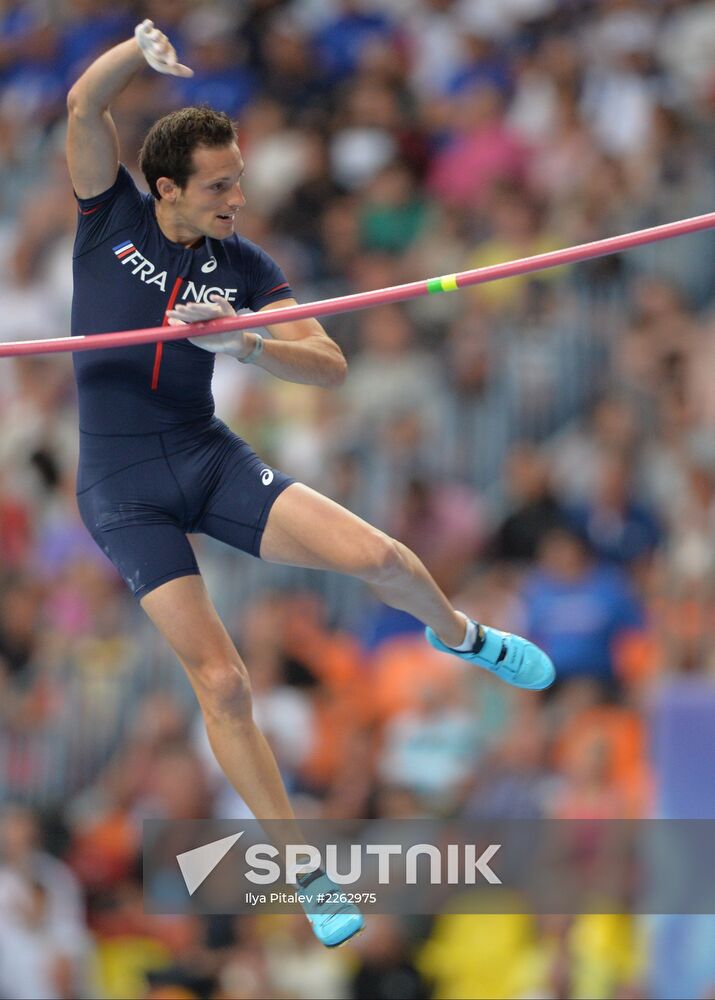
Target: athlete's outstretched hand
(158, 50)
(234, 342)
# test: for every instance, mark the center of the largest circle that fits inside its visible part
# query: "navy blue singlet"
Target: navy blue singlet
(155, 462)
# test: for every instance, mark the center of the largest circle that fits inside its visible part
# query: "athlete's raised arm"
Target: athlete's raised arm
(92, 143)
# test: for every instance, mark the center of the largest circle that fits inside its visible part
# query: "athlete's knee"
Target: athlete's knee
(224, 688)
(384, 558)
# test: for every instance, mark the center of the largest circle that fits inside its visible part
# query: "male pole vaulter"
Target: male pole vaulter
(156, 464)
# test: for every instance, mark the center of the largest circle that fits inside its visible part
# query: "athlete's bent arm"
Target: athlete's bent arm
(302, 351)
(92, 143)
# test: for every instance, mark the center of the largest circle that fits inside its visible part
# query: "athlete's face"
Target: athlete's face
(207, 206)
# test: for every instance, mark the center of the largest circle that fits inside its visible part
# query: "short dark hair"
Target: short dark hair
(168, 147)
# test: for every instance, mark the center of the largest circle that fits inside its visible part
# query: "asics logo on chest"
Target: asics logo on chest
(146, 271)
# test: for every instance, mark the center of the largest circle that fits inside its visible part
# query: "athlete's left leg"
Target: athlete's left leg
(307, 529)
(261, 511)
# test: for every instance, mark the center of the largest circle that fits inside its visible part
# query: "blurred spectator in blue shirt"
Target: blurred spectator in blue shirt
(289, 73)
(576, 608)
(618, 527)
(90, 28)
(484, 64)
(29, 82)
(340, 44)
(221, 77)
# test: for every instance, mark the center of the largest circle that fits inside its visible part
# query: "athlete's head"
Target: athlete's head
(193, 167)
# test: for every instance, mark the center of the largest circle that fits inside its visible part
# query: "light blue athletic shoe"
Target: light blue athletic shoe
(333, 918)
(515, 660)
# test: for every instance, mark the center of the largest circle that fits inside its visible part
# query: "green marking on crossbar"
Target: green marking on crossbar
(447, 283)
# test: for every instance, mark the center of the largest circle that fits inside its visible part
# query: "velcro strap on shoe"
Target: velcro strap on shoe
(492, 647)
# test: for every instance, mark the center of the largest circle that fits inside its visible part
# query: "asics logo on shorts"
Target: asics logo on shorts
(267, 477)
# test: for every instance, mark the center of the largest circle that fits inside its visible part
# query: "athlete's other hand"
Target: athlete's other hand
(198, 312)
(158, 50)
(234, 342)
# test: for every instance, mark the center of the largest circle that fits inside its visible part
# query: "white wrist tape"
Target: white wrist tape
(257, 351)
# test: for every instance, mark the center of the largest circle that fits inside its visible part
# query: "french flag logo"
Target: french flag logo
(122, 249)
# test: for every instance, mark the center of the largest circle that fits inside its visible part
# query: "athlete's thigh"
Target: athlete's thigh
(264, 512)
(184, 614)
(304, 528)
(243, 490)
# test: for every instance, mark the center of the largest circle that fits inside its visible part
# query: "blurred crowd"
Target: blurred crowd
(546, 444)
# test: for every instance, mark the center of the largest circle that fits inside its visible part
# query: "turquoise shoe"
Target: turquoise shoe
(334, 922)
(515, 660)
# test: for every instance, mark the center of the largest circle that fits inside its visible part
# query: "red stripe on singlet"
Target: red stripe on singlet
(160, 346)
(270, 291)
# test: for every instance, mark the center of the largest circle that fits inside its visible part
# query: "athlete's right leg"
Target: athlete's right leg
(133, 510)
(182, 611)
